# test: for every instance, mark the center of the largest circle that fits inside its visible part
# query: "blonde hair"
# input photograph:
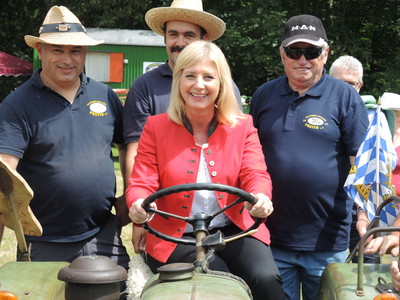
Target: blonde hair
(227, 107)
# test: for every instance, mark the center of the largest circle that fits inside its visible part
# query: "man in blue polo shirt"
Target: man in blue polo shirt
(310, 126)
(56, 131)
(150, 92)
(181, 24)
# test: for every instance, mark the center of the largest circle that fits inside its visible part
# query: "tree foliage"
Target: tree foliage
(366, 29)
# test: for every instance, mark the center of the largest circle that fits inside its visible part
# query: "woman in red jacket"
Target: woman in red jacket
(204, 137)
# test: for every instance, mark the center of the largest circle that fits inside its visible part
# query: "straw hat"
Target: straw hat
(190, 11)
(61, 27)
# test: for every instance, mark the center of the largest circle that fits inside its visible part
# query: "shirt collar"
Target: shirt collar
(316, 90)
(211, 127)
(37, 81)
(165, 70)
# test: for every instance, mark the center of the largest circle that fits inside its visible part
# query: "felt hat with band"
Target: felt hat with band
(61, 27)
(190, 11)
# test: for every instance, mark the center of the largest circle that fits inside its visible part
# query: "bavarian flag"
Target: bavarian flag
(370, 179)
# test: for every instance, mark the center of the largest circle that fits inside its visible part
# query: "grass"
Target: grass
(8, 245)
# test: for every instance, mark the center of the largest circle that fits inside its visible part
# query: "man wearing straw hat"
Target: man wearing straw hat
(181, 24)
(56, 130)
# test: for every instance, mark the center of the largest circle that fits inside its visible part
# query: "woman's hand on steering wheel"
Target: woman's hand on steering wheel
(138, 215)
(262, 208)
(202, 220)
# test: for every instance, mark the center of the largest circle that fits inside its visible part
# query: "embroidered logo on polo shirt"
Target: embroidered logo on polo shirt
(98, 108)
(315, 122)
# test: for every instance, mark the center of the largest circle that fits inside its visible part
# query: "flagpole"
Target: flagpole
(378, 146)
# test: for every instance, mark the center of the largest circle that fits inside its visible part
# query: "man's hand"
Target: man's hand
(362, 222)
(121, 210)
(394, 271)
(139, 239)
(383, 245)
(380, 245)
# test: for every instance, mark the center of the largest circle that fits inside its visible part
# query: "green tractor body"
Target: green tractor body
(339, 281)
(33, 280)
(345, 281)
(199, 286)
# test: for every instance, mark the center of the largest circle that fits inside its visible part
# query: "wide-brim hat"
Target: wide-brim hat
(390, 101)
(306, 29)
(190, 11)
(14, 188)
(61, 27)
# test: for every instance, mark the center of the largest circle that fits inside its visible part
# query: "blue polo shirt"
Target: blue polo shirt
(65, 154)
(307, 141)
(149, 95)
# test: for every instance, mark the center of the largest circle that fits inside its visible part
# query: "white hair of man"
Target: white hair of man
(347, 62)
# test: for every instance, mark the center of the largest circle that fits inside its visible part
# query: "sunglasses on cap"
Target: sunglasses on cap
(296, 53)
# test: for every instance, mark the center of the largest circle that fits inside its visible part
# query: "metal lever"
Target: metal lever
(241, 235)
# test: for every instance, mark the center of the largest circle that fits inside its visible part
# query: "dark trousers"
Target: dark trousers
(107, 242)
(247, 258)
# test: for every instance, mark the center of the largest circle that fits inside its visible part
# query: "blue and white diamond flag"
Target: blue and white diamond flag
(370, 179)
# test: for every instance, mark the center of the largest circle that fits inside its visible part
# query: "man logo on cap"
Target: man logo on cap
(303, 27)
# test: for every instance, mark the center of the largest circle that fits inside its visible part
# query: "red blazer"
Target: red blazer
(167, 155)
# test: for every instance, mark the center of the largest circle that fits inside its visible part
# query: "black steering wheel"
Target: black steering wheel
(198, 221)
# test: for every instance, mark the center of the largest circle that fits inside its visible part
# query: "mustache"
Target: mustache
(176, 49)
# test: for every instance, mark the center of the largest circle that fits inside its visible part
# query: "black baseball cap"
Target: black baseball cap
(306, 29)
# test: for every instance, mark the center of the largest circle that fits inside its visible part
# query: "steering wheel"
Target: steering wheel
(243, 196)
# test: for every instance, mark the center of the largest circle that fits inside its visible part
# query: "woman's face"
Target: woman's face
(199, 86)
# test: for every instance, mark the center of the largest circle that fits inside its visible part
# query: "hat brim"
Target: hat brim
(390, 101)
(23, 195)
(157, 17)
(61, 38)
(304, 39)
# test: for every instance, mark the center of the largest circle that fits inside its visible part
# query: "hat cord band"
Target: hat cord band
(62, 27)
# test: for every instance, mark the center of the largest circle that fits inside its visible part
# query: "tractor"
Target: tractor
(97, 277)
(359, 281)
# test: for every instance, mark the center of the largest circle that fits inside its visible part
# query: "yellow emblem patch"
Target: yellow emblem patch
(98, 108)
(315, 122)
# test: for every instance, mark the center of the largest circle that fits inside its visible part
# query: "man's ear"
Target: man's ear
(281, 53)
(39, 48)
(359, 86)
(205, 37)
(326, 52)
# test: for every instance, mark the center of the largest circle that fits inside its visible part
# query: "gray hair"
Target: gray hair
(349, 63)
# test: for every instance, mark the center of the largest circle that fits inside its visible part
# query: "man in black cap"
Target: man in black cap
(310, 126)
